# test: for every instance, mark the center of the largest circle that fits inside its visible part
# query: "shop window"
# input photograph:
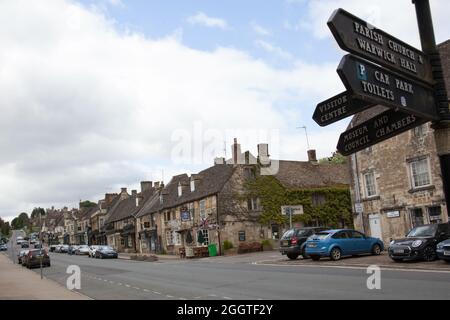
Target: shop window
(205, 234)
(435, 214)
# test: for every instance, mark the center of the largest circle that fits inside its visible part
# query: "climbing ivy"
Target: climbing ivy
(335, 212)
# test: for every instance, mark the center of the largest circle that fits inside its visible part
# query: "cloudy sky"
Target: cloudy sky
(101, 94)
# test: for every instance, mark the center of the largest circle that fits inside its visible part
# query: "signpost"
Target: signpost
(379, 128)
(339, 107)
(356, 36)
(380, 86)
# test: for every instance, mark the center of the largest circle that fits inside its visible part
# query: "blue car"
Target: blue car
(443, 250)
(342, 242)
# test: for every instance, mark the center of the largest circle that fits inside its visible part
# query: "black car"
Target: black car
(25, 245)
(293, 241)
(33, 259)
(420, 243)
(106, 252)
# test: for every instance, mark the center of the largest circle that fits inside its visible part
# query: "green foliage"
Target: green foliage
(334, 213)
(37, 212)
(266, 242)
(227, 245)
(4, 228)
(337, 158)
(21, 222)
(87, 204)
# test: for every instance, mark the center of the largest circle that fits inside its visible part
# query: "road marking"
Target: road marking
(112, 282)
(182, 298)
(227, 298)
(384, 268)
(197, 297)
(169, 296)
(212, 295)
(145, 290)
(128, 286)
(136, 288)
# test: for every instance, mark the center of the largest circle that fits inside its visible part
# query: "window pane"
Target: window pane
(370, 184)
(420, 173)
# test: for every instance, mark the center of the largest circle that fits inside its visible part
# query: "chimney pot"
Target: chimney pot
(134, 192)
(123, 190)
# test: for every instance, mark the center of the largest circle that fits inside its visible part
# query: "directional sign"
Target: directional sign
(384, 126)
(337, 108)
(360, 38)
(375, 84)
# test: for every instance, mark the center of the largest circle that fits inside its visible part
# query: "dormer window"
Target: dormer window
(180, 190)
(192, 185)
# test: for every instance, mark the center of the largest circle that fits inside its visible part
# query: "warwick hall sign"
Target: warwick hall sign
(380, 70)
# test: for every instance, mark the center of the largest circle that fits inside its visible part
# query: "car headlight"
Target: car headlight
(417, 243)
(392, 242)
(440, 247)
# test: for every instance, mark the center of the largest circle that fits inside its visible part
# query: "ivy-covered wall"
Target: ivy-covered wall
(335, 212)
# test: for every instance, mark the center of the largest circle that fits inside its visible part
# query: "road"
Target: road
(238, 279)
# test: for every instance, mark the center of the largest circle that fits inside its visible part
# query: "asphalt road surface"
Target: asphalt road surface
(236, 278)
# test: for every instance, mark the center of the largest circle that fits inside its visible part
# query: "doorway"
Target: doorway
(375, 226)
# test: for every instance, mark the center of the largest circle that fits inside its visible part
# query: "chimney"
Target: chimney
(134, 193)
(146, 185)
(312, 156)
(263, 154)
(156, 185)
(123, 190)
(236, 152)
(109, 197)
(123, 193)
(219, 161)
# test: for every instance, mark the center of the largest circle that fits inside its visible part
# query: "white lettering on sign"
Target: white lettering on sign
(395, 126)
(378, 90)
(368, 33)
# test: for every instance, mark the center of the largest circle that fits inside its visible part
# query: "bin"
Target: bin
(212, 248)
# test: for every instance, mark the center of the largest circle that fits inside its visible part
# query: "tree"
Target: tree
(336, 158)
(4, 228)
(22, 221)
(37, 212)
(87, 204)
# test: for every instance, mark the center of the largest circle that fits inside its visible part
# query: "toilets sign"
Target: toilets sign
(380, 70)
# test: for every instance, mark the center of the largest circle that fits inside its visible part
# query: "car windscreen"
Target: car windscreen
(303, 232)
(319, 236)
(288, 234)
(106, 248)
(423, 231)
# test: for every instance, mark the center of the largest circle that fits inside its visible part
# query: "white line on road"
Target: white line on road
(145, 290)
(128, 286)
(156, 292)
(182, 298)
(227, 298)
(169, 296)
(260, 263)
(136, 288)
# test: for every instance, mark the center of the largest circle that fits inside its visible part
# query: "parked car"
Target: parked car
(37, 245)
(105, 252)
(20, 256)
(64, 248)
(33, 259)
(53, 248)
(92, 250)
(443, 250)
(24, 245)
(82, 250)
(72, 249)
(293, 241)
(419, 243)
(341, 242)
(3, 247)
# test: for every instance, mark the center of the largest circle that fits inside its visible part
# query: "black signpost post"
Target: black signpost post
(383, 70)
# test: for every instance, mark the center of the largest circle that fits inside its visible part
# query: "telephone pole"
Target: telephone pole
(441, 127)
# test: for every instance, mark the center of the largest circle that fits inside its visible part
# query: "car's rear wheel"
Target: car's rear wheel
(335, 254)
(315, 258)
(429, 254)
(292, 256)
(376, 250)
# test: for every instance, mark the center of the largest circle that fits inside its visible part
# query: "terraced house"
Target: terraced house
(214, 205)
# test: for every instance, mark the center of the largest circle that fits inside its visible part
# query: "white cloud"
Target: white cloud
(260, 30)
(202, 19)
(267, 46)
(395, 17)
(89, 109)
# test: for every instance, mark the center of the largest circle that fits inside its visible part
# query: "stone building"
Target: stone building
(397, 184)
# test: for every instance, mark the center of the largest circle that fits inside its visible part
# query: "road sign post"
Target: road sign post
(339, 107)
(377, 129)
(441, 128)
(377, 85)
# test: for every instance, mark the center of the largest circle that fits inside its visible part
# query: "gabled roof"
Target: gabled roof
(300, 174)
(207, 182)
(127, 208)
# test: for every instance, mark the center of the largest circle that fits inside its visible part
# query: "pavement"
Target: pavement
(19, 283)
